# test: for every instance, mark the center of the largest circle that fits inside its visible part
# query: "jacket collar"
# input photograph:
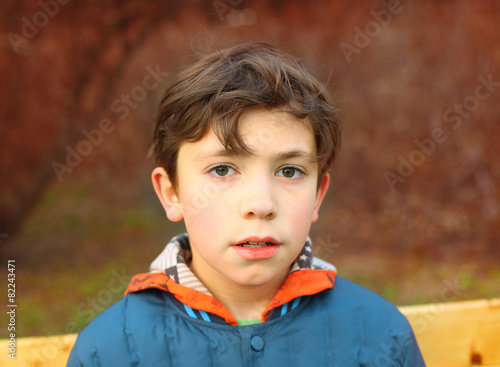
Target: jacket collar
(171, 273)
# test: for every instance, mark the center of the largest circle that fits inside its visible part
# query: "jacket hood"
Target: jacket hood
(170, 272)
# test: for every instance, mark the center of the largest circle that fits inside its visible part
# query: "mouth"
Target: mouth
(257, 242)
(256, 248)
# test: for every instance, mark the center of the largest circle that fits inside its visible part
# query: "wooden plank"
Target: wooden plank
(457, 334)
(50, 351)
(449, 334)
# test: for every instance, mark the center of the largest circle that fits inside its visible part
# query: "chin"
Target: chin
(259, 280)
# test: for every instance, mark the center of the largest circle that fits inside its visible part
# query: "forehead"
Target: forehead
(264, 132)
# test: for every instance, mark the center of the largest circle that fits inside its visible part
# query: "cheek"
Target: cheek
(301, 210)
(202, 207)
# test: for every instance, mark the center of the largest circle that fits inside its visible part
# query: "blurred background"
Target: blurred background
(413, 213)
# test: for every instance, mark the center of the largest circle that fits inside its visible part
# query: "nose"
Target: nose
(258, 200)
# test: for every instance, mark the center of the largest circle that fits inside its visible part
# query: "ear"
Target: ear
(323, 188)
(167, 194)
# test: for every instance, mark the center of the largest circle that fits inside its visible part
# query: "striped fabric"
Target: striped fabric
(173, 262)
(174, 259)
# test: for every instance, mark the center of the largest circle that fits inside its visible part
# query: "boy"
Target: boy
(243, 140)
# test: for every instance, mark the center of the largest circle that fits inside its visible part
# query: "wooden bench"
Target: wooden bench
(456, 334)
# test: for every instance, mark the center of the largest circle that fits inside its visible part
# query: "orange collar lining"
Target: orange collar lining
(301, 283)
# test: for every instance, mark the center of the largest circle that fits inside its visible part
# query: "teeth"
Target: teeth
(255, 244)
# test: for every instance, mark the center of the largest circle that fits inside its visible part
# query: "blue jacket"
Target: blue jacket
(343, 325)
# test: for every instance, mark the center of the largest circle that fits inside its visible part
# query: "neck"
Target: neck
(245, 302)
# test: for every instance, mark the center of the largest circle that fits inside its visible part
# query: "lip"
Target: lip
(261, 253)
(269, 239)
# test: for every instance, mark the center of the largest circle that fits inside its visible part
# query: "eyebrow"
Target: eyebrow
(220, 153)
(296, 153)
(280, 156)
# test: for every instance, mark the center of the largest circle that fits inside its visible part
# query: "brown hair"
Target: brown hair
(215, 91)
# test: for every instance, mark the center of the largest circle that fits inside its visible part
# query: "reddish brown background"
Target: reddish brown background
(433, 237)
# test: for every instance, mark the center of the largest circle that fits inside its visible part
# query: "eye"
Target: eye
(222, 170)
(290, 172)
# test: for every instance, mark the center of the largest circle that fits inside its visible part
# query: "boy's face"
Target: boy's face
(268, 198)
